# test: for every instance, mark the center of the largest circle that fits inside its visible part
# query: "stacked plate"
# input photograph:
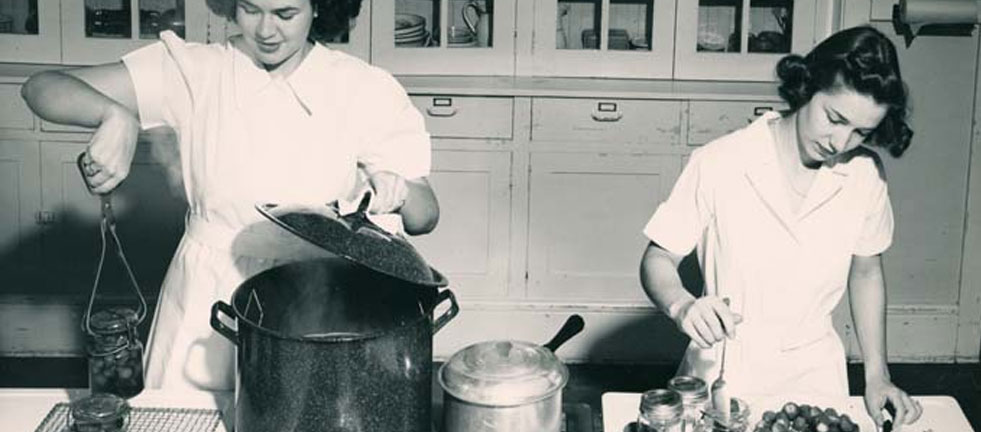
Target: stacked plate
(410, 30)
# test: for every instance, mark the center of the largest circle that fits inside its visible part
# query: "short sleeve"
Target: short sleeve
(679, 222)
(162, 91)
(394, 137)
(877, 228)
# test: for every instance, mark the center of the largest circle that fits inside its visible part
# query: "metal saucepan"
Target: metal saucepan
(506, 385)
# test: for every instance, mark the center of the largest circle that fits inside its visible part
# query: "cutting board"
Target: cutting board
(940, 413)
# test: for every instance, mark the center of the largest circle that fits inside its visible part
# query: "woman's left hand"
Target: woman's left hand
(879, 392)
(391, 192)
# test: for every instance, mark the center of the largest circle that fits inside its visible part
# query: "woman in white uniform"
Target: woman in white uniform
(271, 116)
(786, 214)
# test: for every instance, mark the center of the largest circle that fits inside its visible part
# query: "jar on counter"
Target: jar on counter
(695, 400)
(100, 412)
(115, 353)
(660, 411)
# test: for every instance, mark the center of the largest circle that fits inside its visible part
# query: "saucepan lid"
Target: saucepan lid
(357, 238)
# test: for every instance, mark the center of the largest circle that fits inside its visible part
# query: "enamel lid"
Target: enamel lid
(503, 373)
(355, 237)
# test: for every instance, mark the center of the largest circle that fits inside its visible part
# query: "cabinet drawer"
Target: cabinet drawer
(14, 113)
(466, 116)
(708, 120)
(621, 120)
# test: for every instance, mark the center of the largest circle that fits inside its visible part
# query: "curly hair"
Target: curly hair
(332, 20)
(860, 58)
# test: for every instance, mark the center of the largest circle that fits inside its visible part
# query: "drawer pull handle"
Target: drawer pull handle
(607, 112)
(758, 111)
(441, 111)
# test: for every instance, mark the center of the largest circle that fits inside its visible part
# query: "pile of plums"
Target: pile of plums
(805, 418)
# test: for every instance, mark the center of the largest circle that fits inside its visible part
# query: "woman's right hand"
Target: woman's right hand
(107, 160)
(706, 320)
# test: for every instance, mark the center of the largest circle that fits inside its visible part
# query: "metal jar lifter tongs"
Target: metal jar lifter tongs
(108, 225)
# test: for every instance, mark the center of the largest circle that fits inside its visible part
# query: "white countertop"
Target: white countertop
(940, 413)
(22, 410)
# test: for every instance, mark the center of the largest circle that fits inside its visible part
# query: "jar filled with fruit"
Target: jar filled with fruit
(115, 353)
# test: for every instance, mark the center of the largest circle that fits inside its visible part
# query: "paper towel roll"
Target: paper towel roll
(919, 12)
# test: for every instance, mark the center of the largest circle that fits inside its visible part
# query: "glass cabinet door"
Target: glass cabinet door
(608, 38)
(444, 37)
(29, 31)
(100, 31)
(742, 39)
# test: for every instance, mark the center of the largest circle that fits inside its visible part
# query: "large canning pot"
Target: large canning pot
(329, 345)
(506, 385)
(336, 344)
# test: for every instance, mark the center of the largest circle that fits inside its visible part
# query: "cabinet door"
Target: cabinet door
(471, 242)
(444, 37)
(30, 31)
(102, 31)
(19, 214)
(742, 40)
(149, 209)
(601, 38)
(588, 211)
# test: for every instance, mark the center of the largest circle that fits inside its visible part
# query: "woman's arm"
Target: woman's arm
(420, 213)
(867, 295)
(705, 320)
(100, 97)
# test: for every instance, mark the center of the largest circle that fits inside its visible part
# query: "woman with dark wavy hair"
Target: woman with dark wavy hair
(270, 116)
(787, 215)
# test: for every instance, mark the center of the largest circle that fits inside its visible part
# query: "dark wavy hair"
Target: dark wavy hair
(333, 17)
(860, 58)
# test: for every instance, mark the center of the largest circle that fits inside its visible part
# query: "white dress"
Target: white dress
(246, 137)
(784, 271)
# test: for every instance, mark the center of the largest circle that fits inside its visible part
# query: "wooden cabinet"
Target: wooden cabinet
(19, 212)
(102, 31)
(742, 40)
(471, 242)
(80, 32)
(587, 212)
(30, 31)
(600, 38)
(449, 37)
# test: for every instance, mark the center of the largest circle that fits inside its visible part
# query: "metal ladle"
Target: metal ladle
(720, 396)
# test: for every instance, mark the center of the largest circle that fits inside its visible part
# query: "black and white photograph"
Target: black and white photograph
(490, 215)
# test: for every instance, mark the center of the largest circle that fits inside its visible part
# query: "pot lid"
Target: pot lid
(355, 237)
(503, 373)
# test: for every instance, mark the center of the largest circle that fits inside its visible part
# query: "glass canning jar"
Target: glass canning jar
(99, 412)
(115, 353)
(695, 400)
(660, 411)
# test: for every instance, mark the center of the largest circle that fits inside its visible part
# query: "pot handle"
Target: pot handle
(572, 327)
(219, 326)
(449, 314)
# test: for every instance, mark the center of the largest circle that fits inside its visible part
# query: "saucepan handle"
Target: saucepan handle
(573, 325)
(446, 316)
(219, 326)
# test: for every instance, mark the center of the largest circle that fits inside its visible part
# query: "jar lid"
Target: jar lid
(503, 373)
(112, 320)
(99, 408)
(356, 238)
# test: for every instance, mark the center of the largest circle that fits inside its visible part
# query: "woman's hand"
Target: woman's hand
(391, 192)
(107, 161)
(706, 320)
(879, 392)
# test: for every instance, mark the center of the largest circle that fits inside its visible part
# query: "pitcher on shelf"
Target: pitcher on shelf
(477, 15)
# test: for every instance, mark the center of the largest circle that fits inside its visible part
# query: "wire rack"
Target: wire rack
(144, 419)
